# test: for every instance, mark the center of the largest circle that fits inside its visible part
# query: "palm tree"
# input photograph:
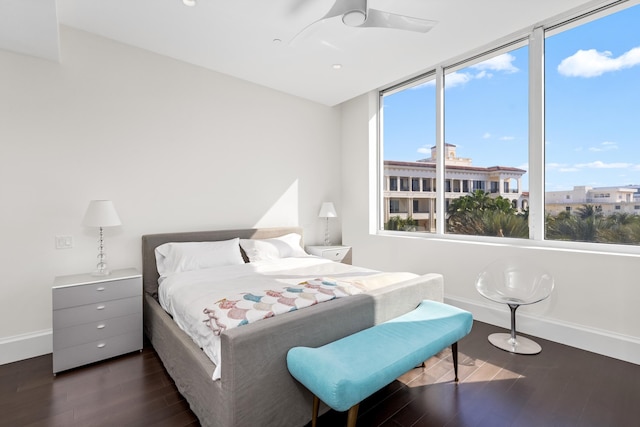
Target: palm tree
(588, 211)
(482, 215)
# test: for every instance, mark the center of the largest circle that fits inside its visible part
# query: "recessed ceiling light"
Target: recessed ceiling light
(336, 66)
(189, 3)
(276, 41)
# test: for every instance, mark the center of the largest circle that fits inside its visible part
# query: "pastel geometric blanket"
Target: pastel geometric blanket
(248, 307)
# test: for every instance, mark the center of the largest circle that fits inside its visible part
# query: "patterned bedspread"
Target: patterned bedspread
(249, 307)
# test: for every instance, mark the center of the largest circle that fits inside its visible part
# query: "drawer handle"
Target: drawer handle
(101, 326)
(100, 307)
(100, 289)
(102, 345)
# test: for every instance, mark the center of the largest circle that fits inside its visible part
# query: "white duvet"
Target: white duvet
(185, 295)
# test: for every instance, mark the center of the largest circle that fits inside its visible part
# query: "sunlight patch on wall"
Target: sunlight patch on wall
(284, 211)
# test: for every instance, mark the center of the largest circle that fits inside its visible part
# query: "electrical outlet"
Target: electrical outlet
(64, 242)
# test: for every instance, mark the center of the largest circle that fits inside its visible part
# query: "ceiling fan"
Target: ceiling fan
(356, 13)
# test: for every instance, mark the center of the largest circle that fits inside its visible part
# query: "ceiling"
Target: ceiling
(236, 37)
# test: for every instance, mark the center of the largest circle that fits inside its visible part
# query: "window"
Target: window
(591, 109)
(486, 134)
(393, 183)
(394, 206)
(407, 144)
(478, 185)
(578, 126)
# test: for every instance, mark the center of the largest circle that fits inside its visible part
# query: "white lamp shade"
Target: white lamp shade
(101, 213)
(327, 210)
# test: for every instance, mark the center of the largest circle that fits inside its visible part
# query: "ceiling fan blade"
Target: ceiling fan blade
(380, 19)
(339, 8)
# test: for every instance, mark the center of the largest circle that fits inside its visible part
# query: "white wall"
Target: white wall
(596, 301)
(176, 147)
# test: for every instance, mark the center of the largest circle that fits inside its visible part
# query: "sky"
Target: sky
(592, 108)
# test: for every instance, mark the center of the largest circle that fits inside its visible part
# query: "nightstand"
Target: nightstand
(335, 253)
(96, 317)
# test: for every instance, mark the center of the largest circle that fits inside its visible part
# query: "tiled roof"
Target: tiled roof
(429, 165)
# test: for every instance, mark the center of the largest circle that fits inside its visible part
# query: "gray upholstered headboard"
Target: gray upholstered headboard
(151, 241)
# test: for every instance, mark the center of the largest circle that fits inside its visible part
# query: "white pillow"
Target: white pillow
(276, 248)
(176, 257)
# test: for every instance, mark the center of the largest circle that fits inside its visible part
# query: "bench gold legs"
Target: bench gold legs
(454, 352)
(353, 411)
(316, 406)
(351, 417)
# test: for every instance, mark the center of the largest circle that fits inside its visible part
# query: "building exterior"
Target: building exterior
(410, 187)
(608, 200)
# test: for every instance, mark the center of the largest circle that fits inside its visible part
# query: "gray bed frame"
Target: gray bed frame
(256, 388)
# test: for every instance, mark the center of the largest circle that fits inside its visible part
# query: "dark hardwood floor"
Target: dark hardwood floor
(562, 386)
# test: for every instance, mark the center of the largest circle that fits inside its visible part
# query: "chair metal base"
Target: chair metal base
(520, 345)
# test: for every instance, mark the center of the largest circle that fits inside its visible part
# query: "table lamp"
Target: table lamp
(101, 213)
(327, 210)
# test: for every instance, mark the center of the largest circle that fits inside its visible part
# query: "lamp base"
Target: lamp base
(327, 239)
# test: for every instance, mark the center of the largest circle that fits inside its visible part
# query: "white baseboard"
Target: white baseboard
(610, 344)
(25, 346)
(618, 346)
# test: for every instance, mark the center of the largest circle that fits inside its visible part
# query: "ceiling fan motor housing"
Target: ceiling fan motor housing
(354, 18)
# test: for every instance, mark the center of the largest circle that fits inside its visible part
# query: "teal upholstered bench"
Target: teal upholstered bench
(346, 371)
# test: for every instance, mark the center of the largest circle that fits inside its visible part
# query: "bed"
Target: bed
(255, 387)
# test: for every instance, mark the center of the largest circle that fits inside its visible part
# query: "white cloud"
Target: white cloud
(425, 84)
(507, 138)
(560, 167)
(486, 135)
(555, 165)
(424, 150)
(605, 146)
(591, 63)
(601, 165)
(502, 62)
(456, 79)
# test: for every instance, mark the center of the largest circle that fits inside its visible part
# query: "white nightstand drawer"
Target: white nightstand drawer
(88, 332)
(336, 254)
(71, 357)
(97, 311)
(333, 253)
(72, 296)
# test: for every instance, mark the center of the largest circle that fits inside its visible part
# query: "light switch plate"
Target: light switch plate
(64, 242)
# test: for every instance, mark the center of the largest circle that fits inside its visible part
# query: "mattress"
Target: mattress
(185, 295)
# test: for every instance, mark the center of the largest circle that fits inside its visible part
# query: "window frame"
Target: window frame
(536, 205)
